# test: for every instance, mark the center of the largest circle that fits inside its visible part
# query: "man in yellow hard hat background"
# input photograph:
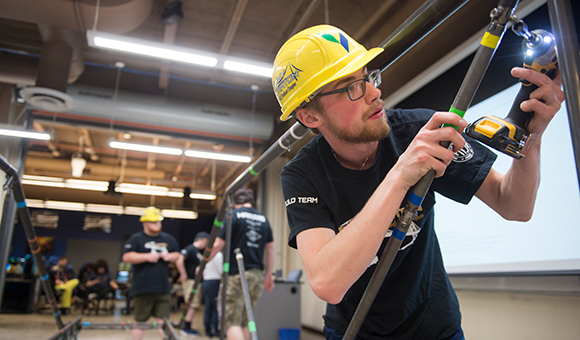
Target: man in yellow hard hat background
(345, 189)
(150, 251)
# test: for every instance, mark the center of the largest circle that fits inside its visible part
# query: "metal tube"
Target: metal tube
(170, 333)
(246, 292)
(489, 43)
(68, 331)
(425, 19)
(20, 202)
(9, 211)
(563, 28)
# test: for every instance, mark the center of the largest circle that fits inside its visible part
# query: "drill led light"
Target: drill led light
(547, 39)
(530, 52)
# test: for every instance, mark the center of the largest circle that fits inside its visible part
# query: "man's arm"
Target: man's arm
(218, 245)
(134, 257)
(180, 264)
(513, 195)
(269, 266)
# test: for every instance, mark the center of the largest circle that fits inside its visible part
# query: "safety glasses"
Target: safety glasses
(356, 90)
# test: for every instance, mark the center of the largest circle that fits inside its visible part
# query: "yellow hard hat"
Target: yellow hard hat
(312, 59)
(151, 214)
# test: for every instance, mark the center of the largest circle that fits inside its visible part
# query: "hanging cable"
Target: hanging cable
(96, 15)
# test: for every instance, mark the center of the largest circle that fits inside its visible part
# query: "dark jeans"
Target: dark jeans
(333, 334)
(210, 290)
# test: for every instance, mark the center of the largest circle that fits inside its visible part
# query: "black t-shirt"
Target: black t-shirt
(151, 277)
(250, 232)
(192, 259)
(416, 300)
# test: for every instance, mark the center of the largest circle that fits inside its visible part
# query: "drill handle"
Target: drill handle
(516, 116)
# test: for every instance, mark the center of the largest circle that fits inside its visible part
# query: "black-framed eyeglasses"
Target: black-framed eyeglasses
(356, 90)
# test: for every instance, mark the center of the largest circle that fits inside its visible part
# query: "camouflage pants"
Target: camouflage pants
(235, 307)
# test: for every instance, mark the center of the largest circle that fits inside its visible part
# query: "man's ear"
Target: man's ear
(308, 118)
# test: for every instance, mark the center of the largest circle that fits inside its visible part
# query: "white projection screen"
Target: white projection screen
(475, 240)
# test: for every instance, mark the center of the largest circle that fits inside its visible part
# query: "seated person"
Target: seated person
(64, 280)
(101, 282)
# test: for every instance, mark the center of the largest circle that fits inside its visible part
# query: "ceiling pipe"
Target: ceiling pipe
(115, 16)
(62, 25)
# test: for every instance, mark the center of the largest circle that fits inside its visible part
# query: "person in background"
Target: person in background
(101, 284)
(345, 190)
(187, 264)
(64, 280)
(251, 233)
(212, 275)
(150, 251)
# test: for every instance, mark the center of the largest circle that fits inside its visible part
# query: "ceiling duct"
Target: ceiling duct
(178, 116)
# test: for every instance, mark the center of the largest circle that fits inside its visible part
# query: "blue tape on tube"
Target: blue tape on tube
(414, 199)
(21, 204)
(399, 235)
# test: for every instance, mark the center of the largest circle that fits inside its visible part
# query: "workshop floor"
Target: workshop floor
(36, 326)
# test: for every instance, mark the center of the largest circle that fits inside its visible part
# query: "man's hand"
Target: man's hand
(182, 278)
(167, 257)
(58, 281)
(425, 152)
(268, 283)
(545, 101)
(152, 257)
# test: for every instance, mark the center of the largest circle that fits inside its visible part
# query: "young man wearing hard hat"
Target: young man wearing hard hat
(344, 189)
(150, 251)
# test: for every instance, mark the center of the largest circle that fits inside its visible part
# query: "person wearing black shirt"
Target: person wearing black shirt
(345, 189)
(150, 251)
(251, 233)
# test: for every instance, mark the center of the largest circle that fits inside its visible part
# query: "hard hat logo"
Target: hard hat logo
(310, 60)
(286, 83)
(343, 40)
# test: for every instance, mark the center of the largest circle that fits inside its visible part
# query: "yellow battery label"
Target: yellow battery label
(490, 40)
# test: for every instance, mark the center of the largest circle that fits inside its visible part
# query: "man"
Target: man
(251, 233)
(187, 262)
(150, 251)
(65, 281)
(345, 189)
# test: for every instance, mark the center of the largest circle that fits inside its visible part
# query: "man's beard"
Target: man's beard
(368, 134)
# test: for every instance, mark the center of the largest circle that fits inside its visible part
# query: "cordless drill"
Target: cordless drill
(509, 134)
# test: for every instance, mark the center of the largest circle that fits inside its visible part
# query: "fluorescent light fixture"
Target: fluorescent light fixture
(184, 214)
(153, 190)
(145, 148)
(42, 178)
(25, 134)
(43, 183)
(65, 183)
(86, 185)
(32, 203)
(137, 211)
(218, 155)
(199, 196)
(149, 48)
(177, 53)
(105, 208)
(248, 68)
(61, 205)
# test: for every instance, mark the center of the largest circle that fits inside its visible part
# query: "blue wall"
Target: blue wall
(71, 223)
